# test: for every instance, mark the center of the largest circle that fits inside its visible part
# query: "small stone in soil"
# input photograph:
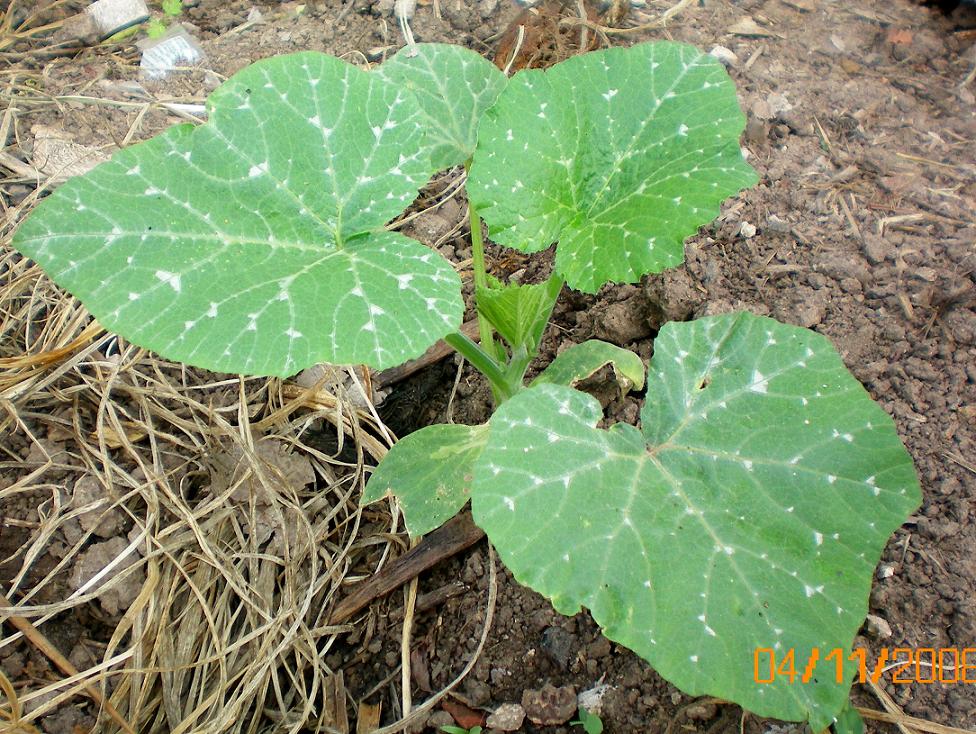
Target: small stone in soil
(12, 665)
(622, 323)
(507, 717)
(725, 55)
(673, 298)
(97, 557)
(477, 692)
(809, 313)
(747, 230)
(68, 720)
(101, 521)
(550, 706)
(701, 712)
(599, 648)
(439, 719)
(876, 248)
(755, 130)
(558, 644)
(877, 627)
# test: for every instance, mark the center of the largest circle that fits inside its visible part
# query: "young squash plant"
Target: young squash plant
(750, 506)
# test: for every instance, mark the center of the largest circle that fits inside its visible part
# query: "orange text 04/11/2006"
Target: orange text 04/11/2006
(905, 665)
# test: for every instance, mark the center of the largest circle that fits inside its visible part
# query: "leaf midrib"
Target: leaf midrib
(802, 702)
(318, 249)
(626, 153)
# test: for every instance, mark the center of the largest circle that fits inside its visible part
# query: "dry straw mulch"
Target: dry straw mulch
(183, 511)
(219, 537)
(182, 515)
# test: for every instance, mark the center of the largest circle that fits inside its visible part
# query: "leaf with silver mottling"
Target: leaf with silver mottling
(748, 512)
(255, 243)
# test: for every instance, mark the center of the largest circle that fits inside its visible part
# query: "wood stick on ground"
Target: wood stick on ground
(41, 642)
(368, 718)
(432, 599)
(451, 538)
(432, 356)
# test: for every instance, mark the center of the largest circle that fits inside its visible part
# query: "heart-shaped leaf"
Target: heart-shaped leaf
(255, 243)
(748, 513)
(454, 87)
(618, 154)
(430, 473)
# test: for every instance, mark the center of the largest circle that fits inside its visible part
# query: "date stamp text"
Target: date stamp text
(905, 664)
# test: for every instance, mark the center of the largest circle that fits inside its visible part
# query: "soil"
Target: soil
(863, 130)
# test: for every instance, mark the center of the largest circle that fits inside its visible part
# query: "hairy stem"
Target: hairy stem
(480, 279)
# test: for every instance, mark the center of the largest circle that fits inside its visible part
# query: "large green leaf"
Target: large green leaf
(454, 86)
(255, 243)
(430, 473)
(748, 513)
(618, 154)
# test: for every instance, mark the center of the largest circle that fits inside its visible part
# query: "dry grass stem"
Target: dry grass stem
(423, 709)
(903, 722)
(660, 21)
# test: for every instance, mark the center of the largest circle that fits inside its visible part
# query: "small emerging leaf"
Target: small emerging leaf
(255, 243)
(454, 86)
(583, 360)
(618, 154)
(520, 312)
(849, 721)
(430, 473)
(591, 723)
(749, 511)
(155, 28)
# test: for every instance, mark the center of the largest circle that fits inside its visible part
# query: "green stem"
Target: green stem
(483, 362)
(515, 370)
(480, 279)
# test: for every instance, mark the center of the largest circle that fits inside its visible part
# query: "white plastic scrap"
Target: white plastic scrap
(168, 52)
(112, 16)
(725, 55)
(592, 698)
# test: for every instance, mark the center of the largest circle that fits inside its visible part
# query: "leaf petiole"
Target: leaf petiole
(484, 363)
(480, 277)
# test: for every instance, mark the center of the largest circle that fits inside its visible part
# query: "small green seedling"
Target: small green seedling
(460, 730)
(157, 27)
(591, 723)
(848, 721)
(747, 511)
